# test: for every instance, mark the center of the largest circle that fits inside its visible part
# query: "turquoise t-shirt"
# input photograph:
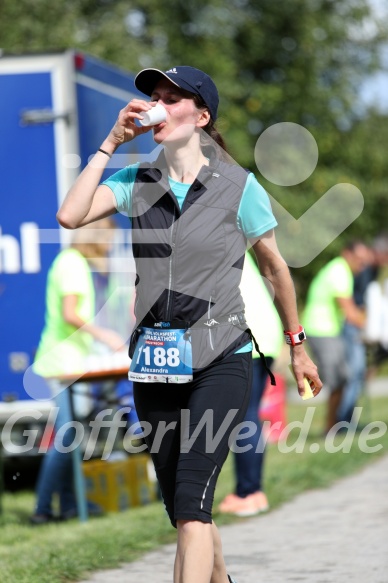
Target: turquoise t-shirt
(254, 216)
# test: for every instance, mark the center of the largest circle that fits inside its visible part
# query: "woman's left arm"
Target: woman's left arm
(275, 269)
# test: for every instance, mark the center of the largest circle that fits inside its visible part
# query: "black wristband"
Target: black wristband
(103, 151)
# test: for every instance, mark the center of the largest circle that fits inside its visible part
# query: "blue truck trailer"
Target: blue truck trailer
(56, 109)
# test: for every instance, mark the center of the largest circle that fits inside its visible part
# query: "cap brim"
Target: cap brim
(147, 79)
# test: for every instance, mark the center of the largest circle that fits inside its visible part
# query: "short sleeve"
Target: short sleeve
(255, 216)
(121, 184)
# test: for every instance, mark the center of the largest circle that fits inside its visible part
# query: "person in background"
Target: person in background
(263, 319)
(329, 303)
(354, 336)
(65, 343)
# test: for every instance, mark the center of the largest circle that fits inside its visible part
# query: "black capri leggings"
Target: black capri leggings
(189, 429)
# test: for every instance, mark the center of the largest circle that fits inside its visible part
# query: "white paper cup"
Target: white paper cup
(155, 115)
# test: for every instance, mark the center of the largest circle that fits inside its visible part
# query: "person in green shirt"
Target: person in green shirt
(329, 303)
(65, 343)
(69, 330)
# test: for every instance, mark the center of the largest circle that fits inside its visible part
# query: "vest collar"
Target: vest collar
(157, 170)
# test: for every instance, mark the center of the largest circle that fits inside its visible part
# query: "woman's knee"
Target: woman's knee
(192, 527)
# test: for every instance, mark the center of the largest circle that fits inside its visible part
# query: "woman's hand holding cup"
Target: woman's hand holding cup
(125, 128)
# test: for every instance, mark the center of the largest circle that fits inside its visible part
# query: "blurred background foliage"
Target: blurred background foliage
(299, 61)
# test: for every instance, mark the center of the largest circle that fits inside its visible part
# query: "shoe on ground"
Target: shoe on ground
(37, 519)
(229, 502)
(242, 507)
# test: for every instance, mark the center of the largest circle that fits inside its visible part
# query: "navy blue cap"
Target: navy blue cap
(187, 78)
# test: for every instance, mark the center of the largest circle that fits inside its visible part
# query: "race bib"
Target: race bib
(162, 356)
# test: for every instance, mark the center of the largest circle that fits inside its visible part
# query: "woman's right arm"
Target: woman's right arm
(87, 200)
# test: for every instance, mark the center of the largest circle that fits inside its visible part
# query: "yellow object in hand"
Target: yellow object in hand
(308, 393)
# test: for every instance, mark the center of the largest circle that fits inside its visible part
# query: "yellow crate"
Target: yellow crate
(107, 484)
(141, 479)
(118, 485)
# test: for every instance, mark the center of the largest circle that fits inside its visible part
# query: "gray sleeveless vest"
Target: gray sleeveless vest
(189, 261)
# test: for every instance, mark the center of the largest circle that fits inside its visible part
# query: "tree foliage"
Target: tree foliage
(299, 61)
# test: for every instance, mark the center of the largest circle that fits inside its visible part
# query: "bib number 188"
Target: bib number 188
(161, 356)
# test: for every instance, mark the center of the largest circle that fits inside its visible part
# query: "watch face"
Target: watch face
(301, 336)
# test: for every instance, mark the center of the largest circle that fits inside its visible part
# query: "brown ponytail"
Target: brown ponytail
(211, 130)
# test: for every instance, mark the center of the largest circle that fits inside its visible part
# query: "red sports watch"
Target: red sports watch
(295, 338)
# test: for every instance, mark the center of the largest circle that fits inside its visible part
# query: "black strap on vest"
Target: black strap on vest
(262, 356)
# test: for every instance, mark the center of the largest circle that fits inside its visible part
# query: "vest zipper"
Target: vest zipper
(172, 256)
(174, 234)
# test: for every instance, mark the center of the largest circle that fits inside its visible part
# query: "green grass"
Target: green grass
(60, 553)
(288, 474)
